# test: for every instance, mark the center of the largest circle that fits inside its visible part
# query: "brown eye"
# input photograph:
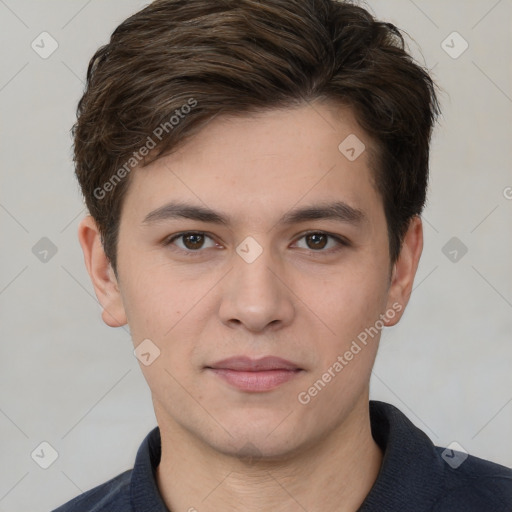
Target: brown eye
(190, 242)
(193, 241)
(316, 240)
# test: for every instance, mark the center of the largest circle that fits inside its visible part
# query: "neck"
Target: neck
(333, 474)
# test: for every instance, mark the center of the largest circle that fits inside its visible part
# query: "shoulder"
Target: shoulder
(111, 496)
(474, 485)
(417, 475)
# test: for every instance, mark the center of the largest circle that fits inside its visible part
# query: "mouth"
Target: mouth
(255, 375)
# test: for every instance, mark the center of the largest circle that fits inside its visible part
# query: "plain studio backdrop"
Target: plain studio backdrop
(72, 382)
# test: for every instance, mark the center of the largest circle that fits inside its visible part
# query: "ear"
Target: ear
(404, 270)
(101, 273)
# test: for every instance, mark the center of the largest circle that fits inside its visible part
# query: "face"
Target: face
(265, 270)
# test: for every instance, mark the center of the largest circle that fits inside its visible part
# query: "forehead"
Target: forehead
(315, 152)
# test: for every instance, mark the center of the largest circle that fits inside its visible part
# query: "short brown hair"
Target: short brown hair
(196, 59)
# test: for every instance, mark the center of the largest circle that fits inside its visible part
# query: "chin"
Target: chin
(257, 441)
(253, 451)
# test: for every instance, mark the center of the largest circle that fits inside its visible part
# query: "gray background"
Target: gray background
(69, 380)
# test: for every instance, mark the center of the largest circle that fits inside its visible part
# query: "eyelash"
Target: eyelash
(341, 241)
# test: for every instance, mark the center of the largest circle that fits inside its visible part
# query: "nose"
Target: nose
(257, 295)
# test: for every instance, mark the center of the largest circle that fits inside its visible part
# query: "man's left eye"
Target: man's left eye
(317, 241)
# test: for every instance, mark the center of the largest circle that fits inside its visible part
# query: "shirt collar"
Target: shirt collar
(411, 470)
(410, 466)
(145, 496)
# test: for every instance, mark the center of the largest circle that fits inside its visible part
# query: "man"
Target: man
(255, 173)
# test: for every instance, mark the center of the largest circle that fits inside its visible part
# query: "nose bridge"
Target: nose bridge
(255, 297)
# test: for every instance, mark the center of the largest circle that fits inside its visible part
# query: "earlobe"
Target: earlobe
(101, 273)
(404, 270)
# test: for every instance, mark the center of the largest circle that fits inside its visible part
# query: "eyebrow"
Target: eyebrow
(338, 210)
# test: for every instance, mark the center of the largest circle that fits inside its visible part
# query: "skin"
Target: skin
(223, 448)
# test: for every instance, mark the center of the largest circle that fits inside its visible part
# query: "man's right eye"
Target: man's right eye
(189, 241)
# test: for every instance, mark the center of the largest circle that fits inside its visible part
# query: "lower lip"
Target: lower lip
(255, 381)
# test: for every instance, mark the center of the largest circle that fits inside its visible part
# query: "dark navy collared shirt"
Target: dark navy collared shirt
(415, 476)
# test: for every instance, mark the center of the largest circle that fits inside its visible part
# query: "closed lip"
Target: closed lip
(247, 364)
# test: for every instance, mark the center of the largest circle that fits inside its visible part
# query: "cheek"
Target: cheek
(351, 300)
(350, 307)
(172, 312)
(153, 300)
